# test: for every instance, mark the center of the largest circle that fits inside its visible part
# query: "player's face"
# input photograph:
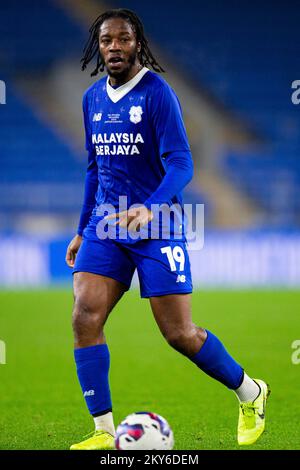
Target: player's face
(118, 47)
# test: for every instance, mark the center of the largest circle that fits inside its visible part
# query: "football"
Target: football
(144, 431)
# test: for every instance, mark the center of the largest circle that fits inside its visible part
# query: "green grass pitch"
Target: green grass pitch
(41, 405)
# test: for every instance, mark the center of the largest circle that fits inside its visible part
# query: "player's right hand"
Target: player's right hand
(72, 250)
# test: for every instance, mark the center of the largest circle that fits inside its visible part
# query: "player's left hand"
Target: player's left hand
(134, 219)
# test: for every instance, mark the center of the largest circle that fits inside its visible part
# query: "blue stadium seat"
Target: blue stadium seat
(34, 34)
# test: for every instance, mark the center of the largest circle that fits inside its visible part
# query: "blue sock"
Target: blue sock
(215, 361)
(92, 369)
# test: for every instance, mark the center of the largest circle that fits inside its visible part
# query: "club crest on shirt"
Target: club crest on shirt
(135, 113)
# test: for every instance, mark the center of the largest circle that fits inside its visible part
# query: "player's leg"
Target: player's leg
(173, 316)
(95, 295)
(94, 298)
(165, 278)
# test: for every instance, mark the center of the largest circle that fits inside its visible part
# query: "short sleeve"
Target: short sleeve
(168, 123)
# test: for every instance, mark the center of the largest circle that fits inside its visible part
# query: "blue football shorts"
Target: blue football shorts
(163, 266)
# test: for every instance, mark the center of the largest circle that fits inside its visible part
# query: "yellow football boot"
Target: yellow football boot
(100, 440)
(252, 416)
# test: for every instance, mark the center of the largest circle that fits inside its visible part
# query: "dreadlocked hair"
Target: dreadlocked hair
(91, 48)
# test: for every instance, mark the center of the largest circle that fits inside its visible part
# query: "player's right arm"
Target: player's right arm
(72, 250)
(91, 187)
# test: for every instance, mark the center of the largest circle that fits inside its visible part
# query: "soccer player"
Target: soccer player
(137, 147)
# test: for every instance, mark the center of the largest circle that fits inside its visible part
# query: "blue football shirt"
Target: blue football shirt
(129, 130)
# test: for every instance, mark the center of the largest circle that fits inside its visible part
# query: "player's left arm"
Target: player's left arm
(179, 172)
(172, 143)
(173, 147)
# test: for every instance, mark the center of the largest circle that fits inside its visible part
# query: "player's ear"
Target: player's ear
(139, 46)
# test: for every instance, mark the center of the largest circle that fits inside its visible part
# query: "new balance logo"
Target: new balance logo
(180, 278)
(97, 117)
(89, 393)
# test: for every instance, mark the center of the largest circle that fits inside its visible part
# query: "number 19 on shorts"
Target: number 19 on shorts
(175, 255)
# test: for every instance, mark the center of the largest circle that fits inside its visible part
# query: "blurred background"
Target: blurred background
(232, 67)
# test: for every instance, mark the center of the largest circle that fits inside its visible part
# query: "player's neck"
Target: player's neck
(118, 81)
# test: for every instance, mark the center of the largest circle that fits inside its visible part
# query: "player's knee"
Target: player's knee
(188, 341)
(178, 339)
(86, 314)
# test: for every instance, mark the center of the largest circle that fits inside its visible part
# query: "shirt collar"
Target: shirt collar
(115, 94)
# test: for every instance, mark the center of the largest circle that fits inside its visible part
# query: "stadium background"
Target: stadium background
(232, 65)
